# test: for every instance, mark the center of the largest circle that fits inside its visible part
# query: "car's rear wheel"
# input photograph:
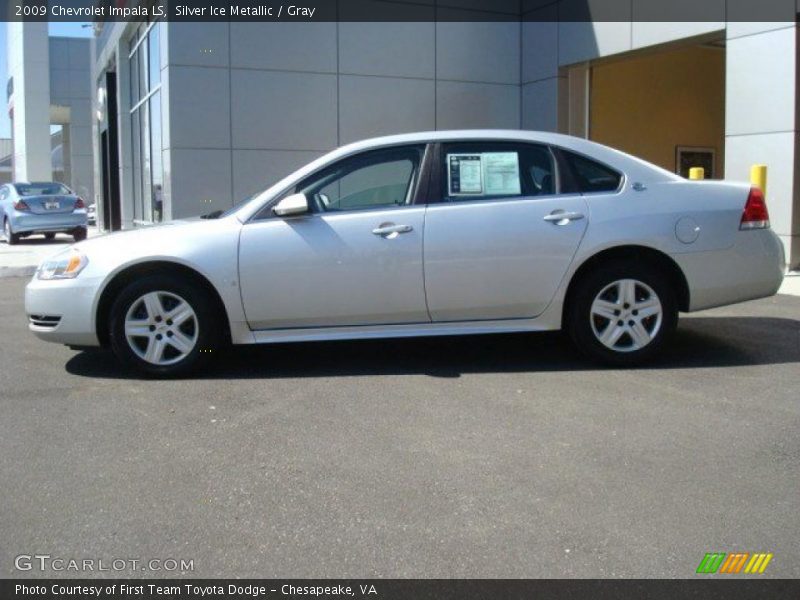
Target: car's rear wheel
(11, 237)
(49, 236)
(80, 234)
(621, 313)
(164, 327)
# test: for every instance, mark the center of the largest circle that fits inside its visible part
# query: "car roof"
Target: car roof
(454, 135)
(37, 183)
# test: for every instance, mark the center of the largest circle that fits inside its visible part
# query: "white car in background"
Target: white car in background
(442, 233)
(91, 214)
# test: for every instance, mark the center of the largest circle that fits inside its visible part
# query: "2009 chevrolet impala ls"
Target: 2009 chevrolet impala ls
(459, 232)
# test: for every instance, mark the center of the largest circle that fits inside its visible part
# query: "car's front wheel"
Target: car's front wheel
(163, 326)
(11, 237)
(621, 313)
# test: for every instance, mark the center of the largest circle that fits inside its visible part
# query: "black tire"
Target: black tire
(80, 234)
(582, 323)
(209, 336)
(49, 236)
(12, 239)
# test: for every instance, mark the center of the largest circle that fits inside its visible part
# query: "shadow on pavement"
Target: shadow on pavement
(699, 342)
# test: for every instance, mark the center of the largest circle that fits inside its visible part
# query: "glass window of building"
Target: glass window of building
(154, 58)
(145, 113)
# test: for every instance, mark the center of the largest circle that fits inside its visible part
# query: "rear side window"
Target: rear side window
(486, 170)
(591, 176)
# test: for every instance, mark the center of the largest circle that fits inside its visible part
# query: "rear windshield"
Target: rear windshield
(42, 189)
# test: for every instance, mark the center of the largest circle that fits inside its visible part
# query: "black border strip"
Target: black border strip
(723, 587)
(400, 10)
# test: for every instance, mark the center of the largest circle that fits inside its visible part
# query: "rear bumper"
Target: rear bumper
(62, 310)
(752, 268)
(31, 223)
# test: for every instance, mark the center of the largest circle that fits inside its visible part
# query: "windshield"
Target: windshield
(42, 189)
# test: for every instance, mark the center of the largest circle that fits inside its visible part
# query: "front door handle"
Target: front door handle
(560, 217)
(390, 230)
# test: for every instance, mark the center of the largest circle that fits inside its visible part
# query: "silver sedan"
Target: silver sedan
(445, 233)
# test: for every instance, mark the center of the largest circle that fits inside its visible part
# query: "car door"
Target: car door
(354, 259)
(502, 235)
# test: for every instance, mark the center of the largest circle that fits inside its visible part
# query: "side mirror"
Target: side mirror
(296, 204)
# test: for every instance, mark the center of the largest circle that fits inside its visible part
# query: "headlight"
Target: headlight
(63, 266)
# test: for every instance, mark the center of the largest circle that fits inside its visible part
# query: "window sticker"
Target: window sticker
(464, 174)
(501, 174)
(485, 174)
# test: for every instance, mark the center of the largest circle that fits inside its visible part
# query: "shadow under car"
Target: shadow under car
(699, 342)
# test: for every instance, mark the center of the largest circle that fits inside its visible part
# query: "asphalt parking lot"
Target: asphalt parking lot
(504, 456)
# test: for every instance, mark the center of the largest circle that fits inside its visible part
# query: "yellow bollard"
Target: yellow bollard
(697, 173)
(758, 177)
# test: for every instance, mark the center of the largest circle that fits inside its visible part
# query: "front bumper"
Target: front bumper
(64, 222)
(62, 310)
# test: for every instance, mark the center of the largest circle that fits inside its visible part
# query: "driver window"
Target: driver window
(382, 178)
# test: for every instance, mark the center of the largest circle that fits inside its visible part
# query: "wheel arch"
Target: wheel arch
(127, 274)
(655, 258)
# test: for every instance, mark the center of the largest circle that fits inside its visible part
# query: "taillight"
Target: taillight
(79, 203)
(755, 215)
(21, 206)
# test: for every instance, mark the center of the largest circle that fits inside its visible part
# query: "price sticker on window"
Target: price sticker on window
(465, 174)
(484, 174)
(501, 174)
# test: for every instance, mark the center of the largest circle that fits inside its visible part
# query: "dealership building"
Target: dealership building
(188, 118)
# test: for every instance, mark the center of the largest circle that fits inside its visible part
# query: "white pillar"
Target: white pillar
(29, 66)
(577, 121)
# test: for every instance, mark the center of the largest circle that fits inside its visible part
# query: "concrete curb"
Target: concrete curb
(17, 271)
(791, 284)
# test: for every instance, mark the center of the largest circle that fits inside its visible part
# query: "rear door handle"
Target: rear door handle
(560, 217)
(391, 230)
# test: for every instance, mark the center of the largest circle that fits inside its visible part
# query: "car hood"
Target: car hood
(156, 235)
(190, 241)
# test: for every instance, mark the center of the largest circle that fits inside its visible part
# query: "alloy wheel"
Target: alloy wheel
(626, 315)
(161, 328)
